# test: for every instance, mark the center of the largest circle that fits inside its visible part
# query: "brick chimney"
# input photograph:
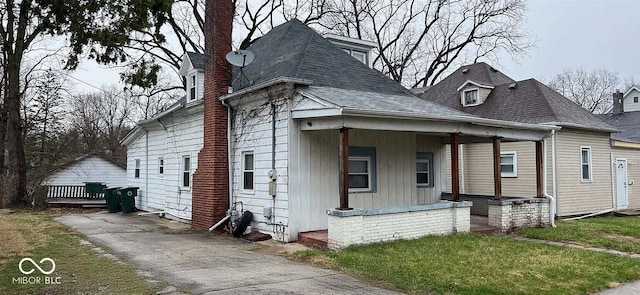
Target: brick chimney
(618, 104)
(210, 198)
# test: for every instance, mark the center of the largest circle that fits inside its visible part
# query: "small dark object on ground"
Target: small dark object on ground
(256, 236)
(245, 220)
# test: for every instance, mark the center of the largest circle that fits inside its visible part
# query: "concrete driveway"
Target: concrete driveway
(203, 263)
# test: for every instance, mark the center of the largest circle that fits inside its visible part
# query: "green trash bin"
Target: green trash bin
(128, 195)
(113, 199)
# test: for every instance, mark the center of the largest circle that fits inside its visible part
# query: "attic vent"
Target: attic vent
(493, 69)
(465, 71)
(513, 85)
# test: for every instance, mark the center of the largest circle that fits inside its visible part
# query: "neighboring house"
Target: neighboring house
(314, 131)
(625, 146)
(578, 157)
(68, 180)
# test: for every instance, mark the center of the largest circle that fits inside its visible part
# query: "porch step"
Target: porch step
(315, 239)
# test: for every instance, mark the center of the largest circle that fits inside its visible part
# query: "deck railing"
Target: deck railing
(70, 191)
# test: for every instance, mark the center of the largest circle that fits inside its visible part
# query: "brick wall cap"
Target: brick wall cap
(399, 209)
(519, 201)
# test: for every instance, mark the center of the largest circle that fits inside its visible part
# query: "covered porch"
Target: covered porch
(379, 178)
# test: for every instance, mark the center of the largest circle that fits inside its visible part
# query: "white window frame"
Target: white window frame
(428, 172)
(183, 171)
(136, 169)
(464, 94)
(369, 188)
(515, 164)
(161, 167)
(351, 52)
(193, 83)
(243, 170)
(590, 163)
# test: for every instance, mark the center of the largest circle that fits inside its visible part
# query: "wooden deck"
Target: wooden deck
(77, 202)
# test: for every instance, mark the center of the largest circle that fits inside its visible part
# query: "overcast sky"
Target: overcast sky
(569, 34)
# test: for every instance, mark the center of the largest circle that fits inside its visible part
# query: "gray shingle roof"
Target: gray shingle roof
(294, 50)
(364, 100)
(529, 102)
(628, 123)
(197, 60)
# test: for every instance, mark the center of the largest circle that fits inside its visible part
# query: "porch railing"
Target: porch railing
(70, 191)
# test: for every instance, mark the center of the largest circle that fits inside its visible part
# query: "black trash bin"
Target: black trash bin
(128, 195)
(113, 199)
(94, 188)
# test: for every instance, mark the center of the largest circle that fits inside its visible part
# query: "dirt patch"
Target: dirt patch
(622, 238)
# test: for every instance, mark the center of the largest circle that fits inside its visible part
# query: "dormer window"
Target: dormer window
(192, 87)
(357, 54)
(471, 97)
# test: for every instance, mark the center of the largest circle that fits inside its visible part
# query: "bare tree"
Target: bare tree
(101, 119)
(589, 89)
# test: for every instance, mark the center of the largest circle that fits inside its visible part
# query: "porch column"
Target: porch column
(497, 169)
(344, 169)
(455, 166)
(539, 178)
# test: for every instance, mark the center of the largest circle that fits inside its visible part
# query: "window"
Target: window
(357, 54)
(136, 171)
(470, 97)
(247, 171)
(509, 164)
(186, 171)
(192, 87)
(585, 164)
(160, 166)
(635, 99)
(424, 169)
(362, 169)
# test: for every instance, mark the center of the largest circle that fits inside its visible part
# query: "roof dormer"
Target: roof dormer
(358, 48)
(192, 68)
(473, 93)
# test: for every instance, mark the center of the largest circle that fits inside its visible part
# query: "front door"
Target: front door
(621, 183)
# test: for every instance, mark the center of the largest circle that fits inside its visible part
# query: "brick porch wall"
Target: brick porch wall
(510, 215)
(363, 226)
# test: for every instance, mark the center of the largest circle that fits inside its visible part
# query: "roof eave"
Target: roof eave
(259, 86)
(578, 126)
(450, 118)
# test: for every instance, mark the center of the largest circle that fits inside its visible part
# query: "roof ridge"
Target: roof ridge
(536, 85)
(304, 53)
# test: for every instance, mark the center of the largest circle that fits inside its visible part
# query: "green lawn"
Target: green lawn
(618, 233)
(479, 264)
(80, 269)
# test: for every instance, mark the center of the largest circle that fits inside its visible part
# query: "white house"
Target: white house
(68, 181)
(319, 141)
(162, 152)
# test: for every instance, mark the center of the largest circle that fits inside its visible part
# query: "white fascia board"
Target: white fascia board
(576, 126)
(474, 83)
(449, 118)
(185, 65)
(633, 87)
(260, 86)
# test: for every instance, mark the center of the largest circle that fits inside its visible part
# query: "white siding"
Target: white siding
(317, 173)
(252, 132)
(183, 136)
(629, 105)
(90, 169)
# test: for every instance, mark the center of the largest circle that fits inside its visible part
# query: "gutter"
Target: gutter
(279, 80)
(578, 126)
(455, 118)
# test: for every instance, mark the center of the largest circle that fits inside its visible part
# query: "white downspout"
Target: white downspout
(552, 200)
(229, 150)
(462, 180)
(614, 193)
